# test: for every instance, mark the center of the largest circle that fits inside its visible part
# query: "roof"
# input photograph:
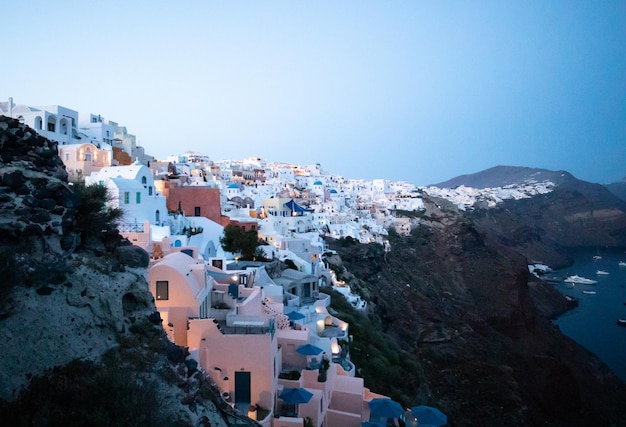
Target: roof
(183, 264)
(294, 207)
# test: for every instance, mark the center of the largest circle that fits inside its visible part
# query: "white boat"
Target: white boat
(589, 292)
(579, 279)
(596, 257)
(602, 272)
(621, 322)
(622, 263)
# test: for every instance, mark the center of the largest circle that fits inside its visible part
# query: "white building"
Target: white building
(132, 190)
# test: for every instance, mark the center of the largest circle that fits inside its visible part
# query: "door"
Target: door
(242, 387)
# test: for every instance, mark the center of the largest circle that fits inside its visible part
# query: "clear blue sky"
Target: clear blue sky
(420, 91)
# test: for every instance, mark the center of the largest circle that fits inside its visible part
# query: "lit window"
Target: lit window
(162, 290)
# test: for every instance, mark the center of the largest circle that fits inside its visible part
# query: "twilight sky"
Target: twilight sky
(419, 91)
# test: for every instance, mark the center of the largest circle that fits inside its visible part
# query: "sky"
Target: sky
(415, 91)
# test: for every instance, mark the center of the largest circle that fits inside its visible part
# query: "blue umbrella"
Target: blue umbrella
(429, 415)
(294, 396)
(385, 408)
(295, 315)
(309, 350)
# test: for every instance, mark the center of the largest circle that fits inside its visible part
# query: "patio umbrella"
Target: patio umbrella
(385, 408)
(294, 396)
(429, 415)
(295, 315)
(309, 350)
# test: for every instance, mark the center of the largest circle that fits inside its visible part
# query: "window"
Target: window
(162, 290)
(51, 127)
(138, 198)
(196, 211)
(87, 157)
(144, 180)
(126, 197)
(67, 157)
(150, 191)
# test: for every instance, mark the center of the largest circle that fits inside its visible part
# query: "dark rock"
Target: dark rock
(13, 179)
(175, 354)
(155, 318)
(192, 366)
(44, 290)
(32, 230)
(21, 190)
(132, 256)
(30, 201)
(41, 216)
(63, 196)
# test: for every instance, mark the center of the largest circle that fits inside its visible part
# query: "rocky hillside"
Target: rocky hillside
(82, 343)
(575, 214)
(459, 306)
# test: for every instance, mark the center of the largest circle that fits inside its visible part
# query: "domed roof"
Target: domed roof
(333, 191)
(233, 186)
(318, 183)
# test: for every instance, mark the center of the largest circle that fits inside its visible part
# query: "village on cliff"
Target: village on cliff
(267, 339)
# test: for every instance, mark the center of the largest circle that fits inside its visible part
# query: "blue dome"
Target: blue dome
(318, 183)
(233, 186)
(333, 191)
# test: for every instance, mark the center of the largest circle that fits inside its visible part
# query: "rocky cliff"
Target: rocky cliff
(457, 302)
(81, 342)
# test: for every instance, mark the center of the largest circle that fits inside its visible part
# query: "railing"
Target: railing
(130, 228)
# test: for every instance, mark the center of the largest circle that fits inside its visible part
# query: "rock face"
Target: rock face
(79, 347)
(461, 304)
(58, 301)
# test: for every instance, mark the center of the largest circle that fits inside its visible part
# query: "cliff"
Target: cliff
(459, 306)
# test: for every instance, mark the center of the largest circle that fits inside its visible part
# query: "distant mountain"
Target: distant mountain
(575, 213)
(501, 176)
(613, 195)
(618, 188)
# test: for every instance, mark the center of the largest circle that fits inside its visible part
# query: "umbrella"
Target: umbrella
(295, 315)
(385, 408)
(309, 350)
(294, 396)
(429, 415)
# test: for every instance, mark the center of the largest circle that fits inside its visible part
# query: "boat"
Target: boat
(621, 322)
(579, 279)
(589, 292)
(622, 264)
(602, 272)
(597, 257)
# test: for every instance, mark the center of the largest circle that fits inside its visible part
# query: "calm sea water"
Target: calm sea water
(592, 323)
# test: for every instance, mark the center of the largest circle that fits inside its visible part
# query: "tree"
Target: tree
(236, 240)
(93, 217)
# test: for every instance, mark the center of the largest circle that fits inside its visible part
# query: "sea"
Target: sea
(593, 323)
